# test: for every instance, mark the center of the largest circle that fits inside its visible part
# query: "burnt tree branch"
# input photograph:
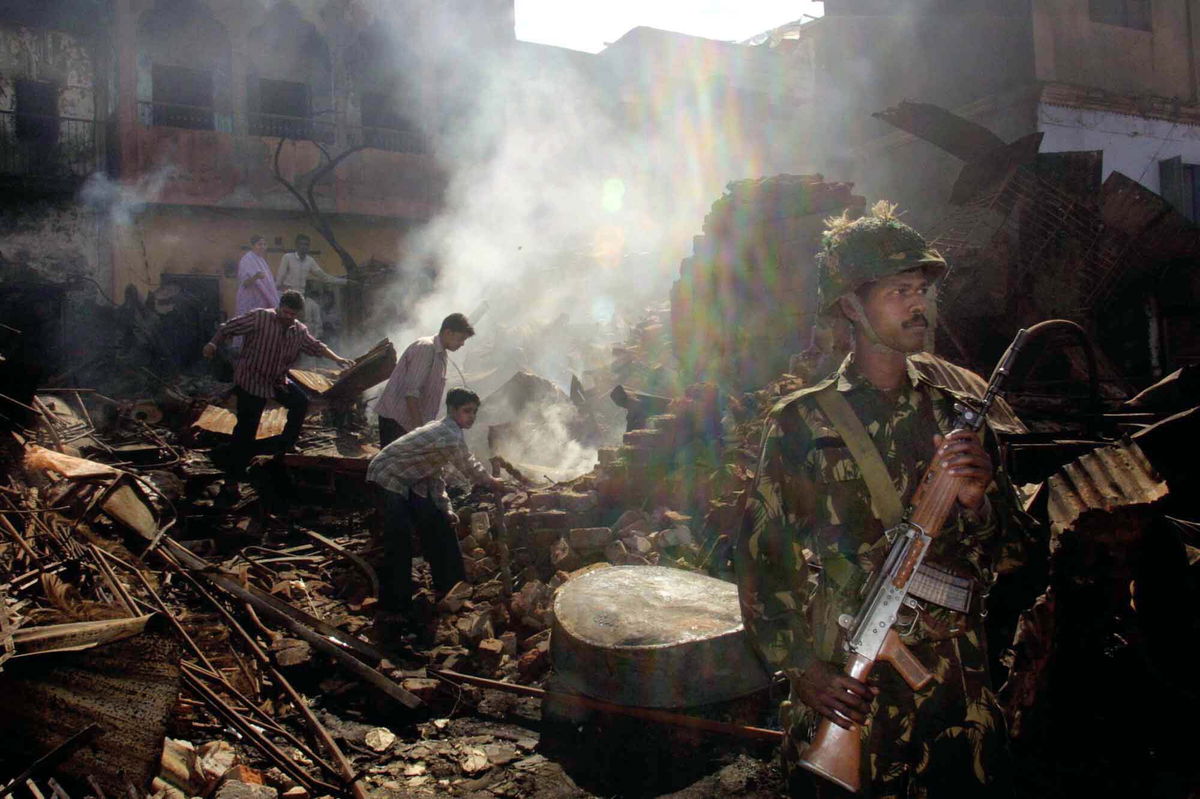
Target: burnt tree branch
(308, 197)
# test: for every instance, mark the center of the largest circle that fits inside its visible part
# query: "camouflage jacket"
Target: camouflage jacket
(811, 539)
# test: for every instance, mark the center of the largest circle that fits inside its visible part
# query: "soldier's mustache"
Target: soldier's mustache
(918, 320)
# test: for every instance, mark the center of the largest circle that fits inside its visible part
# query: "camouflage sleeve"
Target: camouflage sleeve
(772, 572)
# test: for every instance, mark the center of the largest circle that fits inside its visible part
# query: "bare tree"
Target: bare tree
(308, 197)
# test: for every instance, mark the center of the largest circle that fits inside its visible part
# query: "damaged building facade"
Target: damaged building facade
(1096, 103)
(151, 139)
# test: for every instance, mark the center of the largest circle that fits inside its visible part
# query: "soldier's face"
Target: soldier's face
(895, 306)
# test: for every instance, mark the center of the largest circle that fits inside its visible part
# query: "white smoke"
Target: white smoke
(564, 209)
(121, 201)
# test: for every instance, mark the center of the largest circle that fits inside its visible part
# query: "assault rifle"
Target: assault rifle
(834, 752)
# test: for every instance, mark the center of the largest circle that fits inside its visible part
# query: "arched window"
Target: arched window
(184, 58)
(289, 81)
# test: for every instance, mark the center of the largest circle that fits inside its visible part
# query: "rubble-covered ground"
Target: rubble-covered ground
(113, 510)
(231, 648)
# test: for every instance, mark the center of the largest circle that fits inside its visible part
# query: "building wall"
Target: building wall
(208, 241)
(1072, 48)
(1132, 145)
(46, 55)
(54, 240)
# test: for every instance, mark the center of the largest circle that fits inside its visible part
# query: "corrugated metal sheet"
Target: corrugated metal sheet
(218, 420)
(1105, 479)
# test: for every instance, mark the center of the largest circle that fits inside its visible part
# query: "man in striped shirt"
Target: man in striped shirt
(413, 393)
(411, 470)
(272, 340)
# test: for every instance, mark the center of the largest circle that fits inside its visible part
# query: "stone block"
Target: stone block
(550, 519)
(235, 789)
(629, 519)
(490, 651)
(589, 539)
(424, 688)
(579, 502)
(643, 439)
(541, 537)
(291, 652)
(534, 663)
(475, 626)
(639, 545)
(548, 500)
(615, 552)
(453, 601)
(562, 557)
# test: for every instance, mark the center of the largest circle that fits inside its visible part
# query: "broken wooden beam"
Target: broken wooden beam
(369, 370)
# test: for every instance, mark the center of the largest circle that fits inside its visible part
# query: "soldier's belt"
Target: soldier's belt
(931, 584)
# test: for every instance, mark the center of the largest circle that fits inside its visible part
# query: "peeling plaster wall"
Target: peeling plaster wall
(1133, 146)
(53, 239)
(46, 55)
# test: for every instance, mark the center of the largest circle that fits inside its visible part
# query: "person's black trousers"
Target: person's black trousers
(389, 430)
(402, 517)
(249, 413)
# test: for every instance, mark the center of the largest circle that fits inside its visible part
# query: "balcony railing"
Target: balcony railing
(177, 115)
(288, 127)
(395, 139)
(47, 146)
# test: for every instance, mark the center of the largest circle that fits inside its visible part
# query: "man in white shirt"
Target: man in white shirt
(413, 394)
(295, 270)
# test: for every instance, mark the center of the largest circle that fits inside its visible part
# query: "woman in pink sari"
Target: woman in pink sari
(256, 284)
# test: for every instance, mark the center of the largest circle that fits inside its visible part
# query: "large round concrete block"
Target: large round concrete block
(652, 637)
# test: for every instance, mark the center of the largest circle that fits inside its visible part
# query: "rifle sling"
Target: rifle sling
(931, 584)
(885, 499)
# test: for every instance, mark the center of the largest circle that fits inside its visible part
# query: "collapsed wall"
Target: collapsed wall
(745, 299)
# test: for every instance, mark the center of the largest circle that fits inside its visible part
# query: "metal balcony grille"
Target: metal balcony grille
(47, 146)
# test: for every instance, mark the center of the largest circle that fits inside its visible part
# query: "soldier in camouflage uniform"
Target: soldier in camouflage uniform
(812, 537)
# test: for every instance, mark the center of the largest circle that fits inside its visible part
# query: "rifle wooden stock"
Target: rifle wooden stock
(835, 753)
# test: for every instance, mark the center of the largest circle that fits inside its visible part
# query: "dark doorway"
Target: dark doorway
(192, 315)
(37, 112)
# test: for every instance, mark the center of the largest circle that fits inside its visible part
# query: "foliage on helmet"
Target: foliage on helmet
(855, 251)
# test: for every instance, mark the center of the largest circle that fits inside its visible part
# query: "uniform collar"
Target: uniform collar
(438, 346)
(849, 377)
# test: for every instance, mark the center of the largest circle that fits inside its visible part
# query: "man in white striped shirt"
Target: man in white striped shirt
(273, 339)
(413, 394)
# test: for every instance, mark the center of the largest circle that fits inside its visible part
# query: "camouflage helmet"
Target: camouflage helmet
(857, 251)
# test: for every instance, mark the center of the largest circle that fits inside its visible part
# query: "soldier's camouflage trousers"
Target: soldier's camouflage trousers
(946, 741)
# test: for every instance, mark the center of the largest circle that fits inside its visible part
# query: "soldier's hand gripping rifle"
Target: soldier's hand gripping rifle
(834, 752)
